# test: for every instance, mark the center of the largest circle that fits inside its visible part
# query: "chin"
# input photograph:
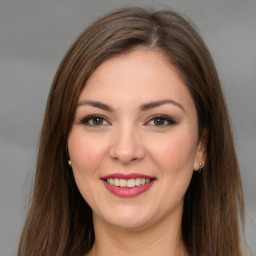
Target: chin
(128, 218)
(130, 224)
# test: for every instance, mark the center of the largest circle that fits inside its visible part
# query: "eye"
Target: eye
(94, 120)
(160, 120)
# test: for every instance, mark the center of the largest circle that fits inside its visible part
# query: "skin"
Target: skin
(127, 140)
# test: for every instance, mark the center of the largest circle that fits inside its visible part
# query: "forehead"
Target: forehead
(140, 75)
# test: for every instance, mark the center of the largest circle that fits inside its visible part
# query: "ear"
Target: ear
(201, 154)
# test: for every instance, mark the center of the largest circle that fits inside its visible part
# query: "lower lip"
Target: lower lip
(128, 192)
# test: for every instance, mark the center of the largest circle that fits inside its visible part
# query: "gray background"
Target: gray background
(34, 36)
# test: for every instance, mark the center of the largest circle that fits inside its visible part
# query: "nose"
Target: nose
(127, 146)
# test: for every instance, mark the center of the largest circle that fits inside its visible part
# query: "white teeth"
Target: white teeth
(137, 182)
(116, 182)
(122, 183)
(131, 183)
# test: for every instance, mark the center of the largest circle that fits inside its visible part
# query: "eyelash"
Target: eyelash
(164, 120)
(86, 120)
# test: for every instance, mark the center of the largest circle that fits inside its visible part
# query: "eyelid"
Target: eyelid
(85, 120)
(169, 119)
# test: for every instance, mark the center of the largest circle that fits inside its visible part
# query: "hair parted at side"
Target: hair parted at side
(59, 221)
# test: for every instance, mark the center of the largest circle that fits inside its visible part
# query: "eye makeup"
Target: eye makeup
(160, 120)
(94, 120)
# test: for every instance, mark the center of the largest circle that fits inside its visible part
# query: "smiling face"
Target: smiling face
(134, 142)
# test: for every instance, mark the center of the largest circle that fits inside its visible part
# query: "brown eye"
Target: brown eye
(97, 121)
(159, 121)
(94, 120)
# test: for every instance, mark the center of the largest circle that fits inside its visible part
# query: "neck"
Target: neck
(161, 238)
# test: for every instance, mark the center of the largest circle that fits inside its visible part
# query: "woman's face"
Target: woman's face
(134, 142)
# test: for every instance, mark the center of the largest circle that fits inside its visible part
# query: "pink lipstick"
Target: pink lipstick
(128, 185)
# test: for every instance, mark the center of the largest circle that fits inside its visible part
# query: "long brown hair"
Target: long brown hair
(59, 221)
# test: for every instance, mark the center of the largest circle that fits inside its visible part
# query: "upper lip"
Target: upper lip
(127, 176)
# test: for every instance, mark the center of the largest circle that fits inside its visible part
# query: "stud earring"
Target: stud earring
(201, 166)
(69, 162)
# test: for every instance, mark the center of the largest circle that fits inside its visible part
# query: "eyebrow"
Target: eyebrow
(143, 107)
(158, 103)
(96, 104)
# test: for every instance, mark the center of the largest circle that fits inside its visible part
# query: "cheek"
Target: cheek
(175, 159)
(86, 152)
(175, 153)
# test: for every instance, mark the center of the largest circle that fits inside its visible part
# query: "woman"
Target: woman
(136, 154)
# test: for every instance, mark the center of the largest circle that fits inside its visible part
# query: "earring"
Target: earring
(201, 166)
(69, 162)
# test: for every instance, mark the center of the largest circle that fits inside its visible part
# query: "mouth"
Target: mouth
(128, 185)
